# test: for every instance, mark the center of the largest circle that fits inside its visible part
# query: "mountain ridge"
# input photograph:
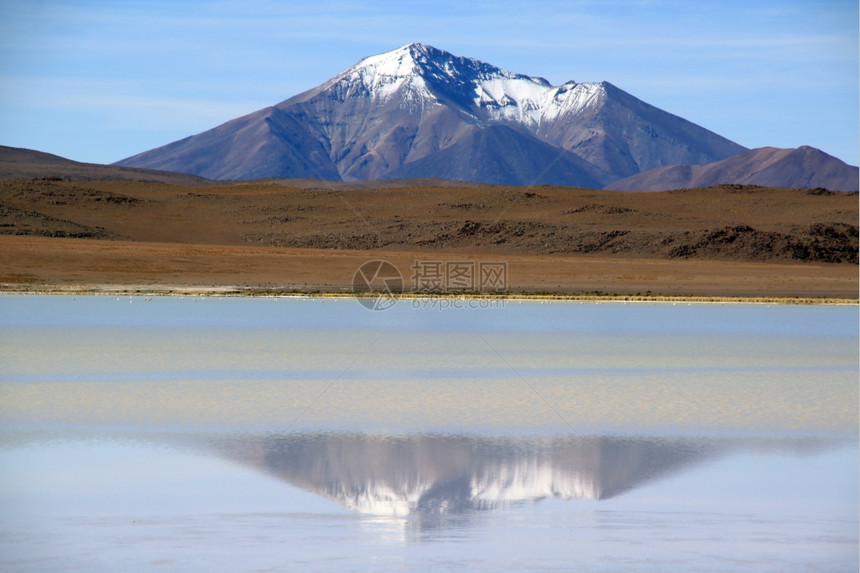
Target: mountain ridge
(804, 167)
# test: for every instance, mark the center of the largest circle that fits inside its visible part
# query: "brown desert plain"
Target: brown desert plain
(297, 236)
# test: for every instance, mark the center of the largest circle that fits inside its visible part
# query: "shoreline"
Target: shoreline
(245, 292)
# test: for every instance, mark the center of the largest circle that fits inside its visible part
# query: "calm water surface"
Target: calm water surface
(298, 434)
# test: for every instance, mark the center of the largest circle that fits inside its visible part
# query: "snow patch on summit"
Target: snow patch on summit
(511, 98)
(531, 103)
(384, 75)
(571, 98)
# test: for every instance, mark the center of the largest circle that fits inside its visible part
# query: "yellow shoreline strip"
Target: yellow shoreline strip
(226, 291)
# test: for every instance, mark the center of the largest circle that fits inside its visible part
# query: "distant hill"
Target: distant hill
(801, 168)
(18, 163)
(421, 112)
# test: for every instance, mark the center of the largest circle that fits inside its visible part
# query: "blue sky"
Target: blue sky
(99, 80)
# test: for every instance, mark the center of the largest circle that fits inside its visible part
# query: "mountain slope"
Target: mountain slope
(625, 135)
(499, 154)
(801, 168)
(266, 143)
(391, 113)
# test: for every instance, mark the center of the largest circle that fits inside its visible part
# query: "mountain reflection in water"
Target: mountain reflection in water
(441, 474)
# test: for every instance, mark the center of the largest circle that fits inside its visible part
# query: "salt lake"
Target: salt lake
(260, 434)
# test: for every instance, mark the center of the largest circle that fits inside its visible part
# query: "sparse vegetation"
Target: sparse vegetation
(536, 226)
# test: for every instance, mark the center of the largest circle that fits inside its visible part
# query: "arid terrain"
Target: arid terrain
(305, 236)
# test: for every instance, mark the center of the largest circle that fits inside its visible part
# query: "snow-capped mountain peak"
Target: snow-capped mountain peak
(428, 74)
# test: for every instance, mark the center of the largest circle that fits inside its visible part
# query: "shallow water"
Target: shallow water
(284, 434)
